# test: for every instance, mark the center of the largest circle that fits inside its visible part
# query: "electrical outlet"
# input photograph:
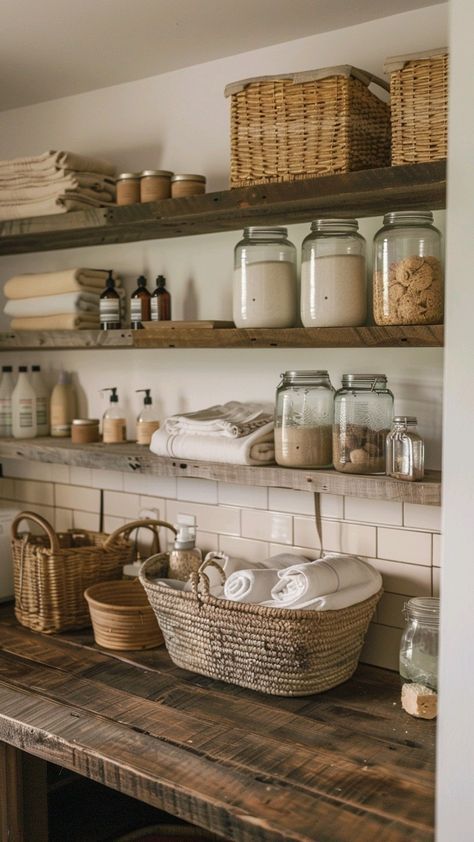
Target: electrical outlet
(151, 514)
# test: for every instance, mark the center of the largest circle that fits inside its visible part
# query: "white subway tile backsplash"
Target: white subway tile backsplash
(305, 552)
(390, 610)
(382, 646)
(422, 517)
(216, 519)
(197, 490)
(112, 480)
(332, 505)
(373, 511)
(287, 500)
(30, 491)
(436, 575)
(247, 496)
(150, 485)
(76, 497)
(85, 520)
(24, 469)
(267, 526)
(60, 473)
(153, 504)
(206, 541)
(437, 550)
(113, 523)
(402, 545)
(338, 536)
(47, 512)
(62, 520)
(81, 476)
(119, 504)
(244, 548)
(408, 579)
(7, 488)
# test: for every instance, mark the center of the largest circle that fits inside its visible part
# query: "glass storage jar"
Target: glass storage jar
(363, 411)
(419, 643)
(333, 275)
(264, 287)
(303, 420)
(405, 456)
(408, 276)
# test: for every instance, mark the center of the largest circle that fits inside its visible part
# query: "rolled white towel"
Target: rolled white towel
(229, 565)
(301, 585)
(250, 585)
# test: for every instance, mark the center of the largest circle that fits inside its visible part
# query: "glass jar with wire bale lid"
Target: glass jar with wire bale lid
(264, 284)
(303, 420)
(405, 457)
(419, 643)
(363, 411)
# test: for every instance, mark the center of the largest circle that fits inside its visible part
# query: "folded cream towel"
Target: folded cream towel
(311, 584)
(53, 305)
(258, 448)
(228, 564)
(56, 283)
(63, 203)
(233, 419)
(55, 160)
(63, 321)
(250, 585)
(51, 192)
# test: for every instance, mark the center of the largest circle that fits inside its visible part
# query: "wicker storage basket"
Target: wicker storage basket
(52, 572)
(122, 617)
(273, 650)
(419, 97)
(307, 124)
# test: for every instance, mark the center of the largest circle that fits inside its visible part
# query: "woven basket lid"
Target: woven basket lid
(399, 62)
(346, 70)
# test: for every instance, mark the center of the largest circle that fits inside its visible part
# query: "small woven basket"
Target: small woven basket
(274, 650)
(52, 571)
(419, 97)
(122, 617)
(301, 125)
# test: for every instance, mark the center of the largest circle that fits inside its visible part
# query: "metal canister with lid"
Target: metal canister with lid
(363, 411)
(303, 420)
(128, 188)
(187, 184)
(155, 185)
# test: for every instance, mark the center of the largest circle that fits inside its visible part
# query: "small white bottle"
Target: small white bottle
(63, 406)
(6, 391)
(23, 407)
(147, 422)
(42, 401)
(114, 424)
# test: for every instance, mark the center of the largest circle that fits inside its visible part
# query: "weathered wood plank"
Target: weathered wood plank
(65, 339)
(364, 193)
(23, 796)
(132, 458)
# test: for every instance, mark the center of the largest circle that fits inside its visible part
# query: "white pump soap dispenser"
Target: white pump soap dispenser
(185, 557)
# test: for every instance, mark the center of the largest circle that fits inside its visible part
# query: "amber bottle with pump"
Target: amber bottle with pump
(160, 302)
(140, 305)
(147, 422)
(109, 306)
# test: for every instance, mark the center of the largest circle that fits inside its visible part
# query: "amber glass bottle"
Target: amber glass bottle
(140, 305)
(160, 302)
(110, 306)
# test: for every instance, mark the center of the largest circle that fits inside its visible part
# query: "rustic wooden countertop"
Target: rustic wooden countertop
(345, 766)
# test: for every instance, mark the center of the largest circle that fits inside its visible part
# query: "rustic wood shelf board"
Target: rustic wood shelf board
(411, 336)
(133, 458)
(364, 193)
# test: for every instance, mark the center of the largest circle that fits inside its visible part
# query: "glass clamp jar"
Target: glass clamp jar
(264, 285)
(408, 276)
(303, 420)
(363, 411)
(333, 275)
(419, 643)
(405, 450)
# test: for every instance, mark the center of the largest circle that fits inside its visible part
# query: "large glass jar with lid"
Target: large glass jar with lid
(333, 275)
(408, 275)
(363, 411)
(303, 420)
(419, 643)
(264, 285)
(405, 456)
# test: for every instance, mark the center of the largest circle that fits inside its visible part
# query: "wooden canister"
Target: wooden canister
(187, 185)
(155, 185)
(128, 188)
(84, 430)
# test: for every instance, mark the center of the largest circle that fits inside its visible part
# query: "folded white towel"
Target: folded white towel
(232, 419)
(312, 585)
(52, 305)
(229, 566)
(258, 448)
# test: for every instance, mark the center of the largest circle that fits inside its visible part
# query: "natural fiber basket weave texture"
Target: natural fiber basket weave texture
(288, 128)
(273, 650)
(419, 95)
(52, 571)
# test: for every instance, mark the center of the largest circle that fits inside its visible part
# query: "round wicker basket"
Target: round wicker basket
(122, 617)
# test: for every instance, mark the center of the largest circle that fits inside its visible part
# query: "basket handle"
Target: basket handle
(136, 524)
(40, 521)
(200, 577)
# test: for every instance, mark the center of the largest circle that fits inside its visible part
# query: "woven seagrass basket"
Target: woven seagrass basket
(301, 125)
(419, 98)
(273, 650)
(52, 571)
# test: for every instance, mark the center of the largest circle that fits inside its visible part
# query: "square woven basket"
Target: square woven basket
(277, 651)
(302, 125)
(419, 98)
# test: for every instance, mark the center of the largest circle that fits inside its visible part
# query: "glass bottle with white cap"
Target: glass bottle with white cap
(405, 456)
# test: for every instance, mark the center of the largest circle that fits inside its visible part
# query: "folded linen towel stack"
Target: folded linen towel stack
(54, 182)
(64, 300)
(235, 432)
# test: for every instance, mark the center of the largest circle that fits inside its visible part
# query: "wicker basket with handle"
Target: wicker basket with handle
(301, 125)
(52, 571)
(274, 650)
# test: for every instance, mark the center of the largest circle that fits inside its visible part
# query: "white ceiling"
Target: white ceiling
(55, 48)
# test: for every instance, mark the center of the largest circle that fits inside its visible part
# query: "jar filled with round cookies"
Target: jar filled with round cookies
(363, 411)
(408, 275)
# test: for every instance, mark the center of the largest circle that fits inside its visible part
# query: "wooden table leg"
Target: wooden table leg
(23, 796)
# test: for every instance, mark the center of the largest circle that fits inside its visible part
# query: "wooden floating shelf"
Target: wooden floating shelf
(132, 458)
(363, 193)
(429, 336)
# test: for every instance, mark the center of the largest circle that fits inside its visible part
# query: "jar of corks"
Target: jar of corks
(303, 420)
(363, 411)
(408, 275)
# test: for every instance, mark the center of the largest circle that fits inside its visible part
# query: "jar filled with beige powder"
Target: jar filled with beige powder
(264, 283)
(303, 420)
